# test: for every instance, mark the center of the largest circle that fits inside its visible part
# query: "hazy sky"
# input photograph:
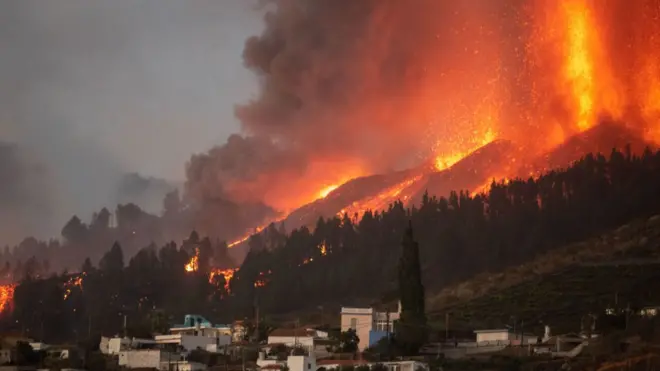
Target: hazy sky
(141, 83)
(93, 89)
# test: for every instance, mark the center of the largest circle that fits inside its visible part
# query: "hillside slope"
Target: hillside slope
(560, 286)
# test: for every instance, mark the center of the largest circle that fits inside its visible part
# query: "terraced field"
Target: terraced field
(560, 299)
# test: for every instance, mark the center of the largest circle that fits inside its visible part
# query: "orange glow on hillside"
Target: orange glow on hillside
(381, 200)
(531, 72)
(444, 162)
(6, 297)
(485, 187)
(325, 191)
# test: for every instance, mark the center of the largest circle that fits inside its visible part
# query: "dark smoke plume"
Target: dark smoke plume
(346, 84)
(368, 86)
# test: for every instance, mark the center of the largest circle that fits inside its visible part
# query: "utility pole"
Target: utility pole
(447, 327)
(256, 330)
(387, 327)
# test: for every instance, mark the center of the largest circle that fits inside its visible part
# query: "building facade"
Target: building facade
(369, 325)
(152, 358)
(301, 337)
(504, 336)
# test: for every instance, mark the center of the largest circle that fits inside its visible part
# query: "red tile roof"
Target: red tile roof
(272, 367)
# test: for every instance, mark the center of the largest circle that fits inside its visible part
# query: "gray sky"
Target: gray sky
(93, 89)
(143, 82)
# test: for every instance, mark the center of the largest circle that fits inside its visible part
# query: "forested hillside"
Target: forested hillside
(346, 258)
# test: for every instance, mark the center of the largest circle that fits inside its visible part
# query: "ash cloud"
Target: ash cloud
(378, 85)
(369, 84)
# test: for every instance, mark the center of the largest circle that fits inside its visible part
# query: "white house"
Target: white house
(293, 363)
(192, 342)
(296, 337)
(196, 325)
(112, 346)
(151, 358)
(503, 336)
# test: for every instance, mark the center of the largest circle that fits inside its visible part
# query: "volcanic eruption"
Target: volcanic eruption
(433, 95)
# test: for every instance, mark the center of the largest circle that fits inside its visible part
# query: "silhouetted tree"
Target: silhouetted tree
(411, 330)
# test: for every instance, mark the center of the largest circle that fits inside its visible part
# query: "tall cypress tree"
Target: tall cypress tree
(411, 330)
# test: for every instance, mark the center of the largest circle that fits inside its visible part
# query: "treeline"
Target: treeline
(345, 258)
(129, 225)
(459, 236)
(153, 290)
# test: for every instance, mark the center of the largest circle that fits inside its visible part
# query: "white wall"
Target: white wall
(188, 342)
(116, 345)
(182, 366)
(301, 363)
(194, 342)
(142, 358)
(304, 341)
(492, 336)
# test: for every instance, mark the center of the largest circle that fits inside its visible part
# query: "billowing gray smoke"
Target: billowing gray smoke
(24, 207)
(348, 87)
(94, 89)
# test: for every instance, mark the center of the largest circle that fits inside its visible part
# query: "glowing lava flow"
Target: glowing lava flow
(382, 200)
(485, 187)
(443, 162)
(579, 67)
(245, 238)
(6, 296)
(323, 193)
(326, 191)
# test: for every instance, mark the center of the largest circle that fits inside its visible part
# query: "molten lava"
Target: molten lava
(326, 191)
(383, 199)
(443, 162)
(579, 69)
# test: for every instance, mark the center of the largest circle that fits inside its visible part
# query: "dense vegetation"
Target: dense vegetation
(342, 259)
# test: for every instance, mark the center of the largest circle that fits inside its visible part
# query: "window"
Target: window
(354, 323)
(383, 326)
